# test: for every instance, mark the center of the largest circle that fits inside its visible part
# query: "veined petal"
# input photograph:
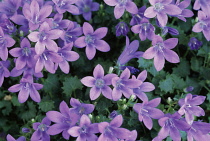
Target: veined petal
(162, 18)
(23, 95)
(116, 94)
(33, 36)
(74, 131)
(15, 88)
(117, 121)
(197, 27)
(147, 87)
(80, 42)
(107, 92)
(34, 94)
(101, 45)
(98, 71)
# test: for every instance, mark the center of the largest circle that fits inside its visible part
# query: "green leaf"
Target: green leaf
(179, 83)
(167, 84)
(51, 84)
(30, 112)
(183, 69)
(102, 105)
(195, 64)
(145, 63)
(46, 106)
(15, 101)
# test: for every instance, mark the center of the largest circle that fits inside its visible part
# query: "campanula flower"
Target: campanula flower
(66, 5)
(122, 29)
(194, 43)
(10, 138)
(136, 18)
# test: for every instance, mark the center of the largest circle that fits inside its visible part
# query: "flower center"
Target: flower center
(81, 110)
(83, 129)
(26, 51)
(67, 120)
(203, 24)
(122, 2)
(42, 127)
(145, 26)
(170, 123)
(119, 84)
(89, 39)
(86, 9)
(159, 47)
(44, 56)
(26, 86)
(158, 7)
(61, 3)
(99, 83)
(42, 36)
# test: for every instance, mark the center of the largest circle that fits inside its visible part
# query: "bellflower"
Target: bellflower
(132, 136)
(202, 4)
(146, 111)
(26, 130)
(194, 43)
(144, 87)
(27, 87)
(161, 50)
(66, 5)
(4, 72)
(136, 18)
(171, 125)
(121, 6)
(6, 25)
(161, 8)
(10, 138)
(145, 30)
(36, 15)
(9, 7)
(123, 85)
(24, 53)
(203, 25)
(85, 8)
(112, 131)
(64, 120)
(132, 69)
(67, 55)
(5, 42)
(113, 114)
(80, 108)
(122, 29)
(92, 40)
(85, 131)
(166, 29)
(45, 37)
(40, 133)
(99, 83)
(189, 107)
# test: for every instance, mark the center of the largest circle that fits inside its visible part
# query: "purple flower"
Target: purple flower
(132, 69)
(121, 6)
(45, 37)
(194, 43)
(85, 130)
(136, 18)
(112, 131)
(92, 40)
(123, 85)
(113, 114)
(67, 55)
(122, 29)
(202, 4)
(27, 87)
(161, 50)
(66, 5)
(189, 89)
(36, 15)
(203, 25)
(147, 110)
(161, 8)
(129, 52)
(171, 125)
(6, 25)
(10, 138)
(41, 130)
(57, 23)
(26, 130)
(9, 7)
(99, 83)
(189, 107)
(80, 108)
(85, 8)
(24, 53)
(64, 120)
(144, 87)
(4, 72)
(132, 136)
(166, 29)
(145, 30)
(5, 42)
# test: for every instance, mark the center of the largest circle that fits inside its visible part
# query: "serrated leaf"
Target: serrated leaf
(46, 106)
(145, 63)
(51, 84)
(179, 83)
(15, 101)
(30, 112)
(167, 84)
(183, 69)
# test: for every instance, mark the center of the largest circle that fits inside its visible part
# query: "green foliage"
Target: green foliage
(183, 69)
(46, 106)
(103, 105)
(167, 84)
(51, 84)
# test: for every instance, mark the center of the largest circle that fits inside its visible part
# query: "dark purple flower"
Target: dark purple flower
(136, 18)
(166, 29)
(161, 8)
(113, 114)
(121, 6)
(144, 87)
(112, 131)
(132, 69)
(45, 37)
(4, 72)
(189, 107)
(64, 120)
(6, 25)
(122, 29)
(92, 40)
(146, 111)
(9, 7)
(40, 133)
(27, 87)
(10, 138)
(26, 130)
(86, 7)
(66, 5)
(194, 43)
(99, 83)
(161, 50)
(85, 131)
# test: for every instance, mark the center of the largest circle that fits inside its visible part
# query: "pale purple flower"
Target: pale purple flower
(6, 25)
(112, 131)
(161, 8)
(57, 22)
(10, 138)
(64, 120)
(146, 111)
(66, 5)
(27, 87)
(144, 87)
(92, 40)
(122, 29)
(80, 108)
(4, 72)
(203, 25)
(136, 18)
(202, 4)
(189, 107)
(121, 6)
(67, 55)
(99, 83)
(85, 131)
(40, 133)
(86, 7)
(9, 7)
(161, 50)
(24, 53)
(45, 37)
(5, 42)
(35, 14)
(124, 85)
(132, 136)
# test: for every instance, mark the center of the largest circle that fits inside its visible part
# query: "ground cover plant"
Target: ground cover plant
(104, 70)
